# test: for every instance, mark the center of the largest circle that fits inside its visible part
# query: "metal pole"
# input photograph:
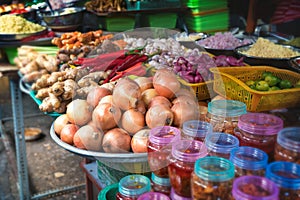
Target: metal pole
(17, 111)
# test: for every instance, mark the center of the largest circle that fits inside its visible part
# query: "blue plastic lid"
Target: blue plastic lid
(249, 158)
(221, 142)
(289, 138)
(284, 174)
(227, 108)
(213, 168)
(197, 128)
(160, 181)
(134, 185)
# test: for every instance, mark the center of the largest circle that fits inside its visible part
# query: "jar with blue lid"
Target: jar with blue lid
(159, 184)
(221, 144)
(133, 186)
(224, 114)
(212, 178)
(287, 147)
(249, 161)
(286, 175)
(196, 130)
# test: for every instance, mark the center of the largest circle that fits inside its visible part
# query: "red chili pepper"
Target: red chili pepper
(138, 69)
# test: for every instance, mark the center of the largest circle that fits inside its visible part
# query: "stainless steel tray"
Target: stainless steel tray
(14, 37)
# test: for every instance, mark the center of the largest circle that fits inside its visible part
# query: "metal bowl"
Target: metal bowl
(16, 37)
(66, 19)
(295, 63)
(275, 62)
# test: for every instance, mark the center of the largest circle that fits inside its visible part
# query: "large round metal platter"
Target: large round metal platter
(14, 37)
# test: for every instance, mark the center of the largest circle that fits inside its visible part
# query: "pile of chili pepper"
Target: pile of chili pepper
(120, 63)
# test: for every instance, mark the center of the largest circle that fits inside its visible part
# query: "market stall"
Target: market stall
(123, 101)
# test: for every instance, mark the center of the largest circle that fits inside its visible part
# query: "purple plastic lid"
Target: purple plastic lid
(260, 123)
(261, 183)
(189, 150)
(153, 196)
(164, 135)
(175, 196)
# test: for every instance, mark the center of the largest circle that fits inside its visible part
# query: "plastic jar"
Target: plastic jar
(254, 188)
(196, 130)
(161, 185)
(223, 115)
(221, 144)
(153, 196)
(160, 143)
(259, 130)
(249, 161)
(287, 147)
(212, 178)
(132, 186)
(175, 196)
(286, 175)
(184, 155)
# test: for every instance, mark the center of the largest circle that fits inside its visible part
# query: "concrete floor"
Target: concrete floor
(49, 166)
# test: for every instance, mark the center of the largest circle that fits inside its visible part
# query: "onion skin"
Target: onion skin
(165, 83)
(68, 132)
(126, 94)
(185, 99)
(132, 121)
(141, 107)
(116, 140)
(148, 95)
(184, 112)
(60, 122)
(185, 92)
(106, 99)
(139, 141)
(144, 83)
(79, 112)
(160, 100)
(88, 137)
(96, 94)
(159, 115)
(106, 116)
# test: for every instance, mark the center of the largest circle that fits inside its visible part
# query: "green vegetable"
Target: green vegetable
(264, 74)
(272, 80)
(250, 83)
(297, 85)
(285, 84)
(262, 86)
(274, 88)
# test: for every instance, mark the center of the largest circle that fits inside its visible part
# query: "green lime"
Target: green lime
(262, 86)
(285, 84)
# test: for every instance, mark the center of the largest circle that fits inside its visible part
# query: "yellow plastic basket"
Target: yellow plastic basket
(230, 83)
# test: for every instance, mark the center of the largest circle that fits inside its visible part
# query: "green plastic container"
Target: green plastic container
(205, 5)
(109, 192)
(163, 20)
(11, 53)
(154, 4)
(117, 23)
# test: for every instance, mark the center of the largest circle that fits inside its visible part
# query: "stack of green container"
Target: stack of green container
(206, 15)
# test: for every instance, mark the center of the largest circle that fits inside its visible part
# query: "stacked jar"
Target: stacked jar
(196, 130)
(133, 186)
(249, 161)
(287, 147)
(221, 144)
(259, 130)
(159, 148)
(153, 196)
(212, 178)
(161, 185)
(286, 176)
(223, 115)
(254, 188)
(184, 155)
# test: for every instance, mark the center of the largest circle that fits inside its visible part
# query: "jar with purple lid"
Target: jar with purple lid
(259, 130)
(196, 130)
(159, 147)
(184, 155)
(221, 144)
(287, 147)
(153, 196)
(254, 188)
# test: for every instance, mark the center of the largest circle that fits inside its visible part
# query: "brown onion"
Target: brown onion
(106, 99)
(139, 141)
(159, 115)
(79, 112)
(88, 137)
(132, 121)
(185, 92)
(144, 82)
(106, 116)
(185, 99)
(184, 112)
(60, 122)
(160, 100)
(68, 132)
(116, 140)
(141, 107)
(166, 83)
(126, 94)
(96, 94)
(148, 95)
